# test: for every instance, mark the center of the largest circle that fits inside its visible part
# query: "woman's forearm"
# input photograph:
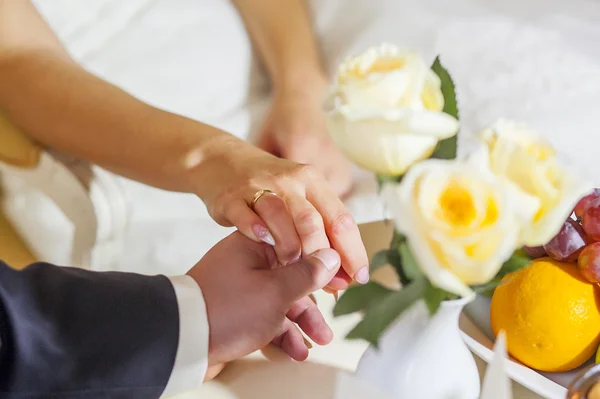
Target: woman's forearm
(63, 106)
(57, 102)
(282, 32)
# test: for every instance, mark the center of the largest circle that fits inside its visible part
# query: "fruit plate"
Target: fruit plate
(477, 333)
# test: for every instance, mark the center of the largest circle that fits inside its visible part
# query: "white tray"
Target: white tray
(477, 333)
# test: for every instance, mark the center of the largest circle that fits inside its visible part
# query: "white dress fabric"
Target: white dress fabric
(534, 60)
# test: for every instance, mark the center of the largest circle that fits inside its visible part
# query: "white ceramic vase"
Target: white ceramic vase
(423, 356)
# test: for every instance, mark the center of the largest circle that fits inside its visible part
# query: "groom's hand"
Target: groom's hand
(251, 300)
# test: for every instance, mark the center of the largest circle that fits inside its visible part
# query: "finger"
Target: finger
(249, 223)
(308, 223)
(309, 318)
(291, 341)
(342, 231)
(340, 281)
(214, 371)
(273, 211)
(297, 280)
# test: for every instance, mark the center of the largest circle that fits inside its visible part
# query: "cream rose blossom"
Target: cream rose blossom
(529, 166)
(385, 110)
(460, 222)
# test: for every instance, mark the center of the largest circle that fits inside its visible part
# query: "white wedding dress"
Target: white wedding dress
(535, 60)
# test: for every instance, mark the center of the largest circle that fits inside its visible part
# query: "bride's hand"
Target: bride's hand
(295, 129)
(305, 216)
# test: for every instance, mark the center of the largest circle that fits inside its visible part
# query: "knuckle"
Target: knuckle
(343, 223)
(221, 208)
(289, 253)
(306, 172)
(262, 180)
(308, 222)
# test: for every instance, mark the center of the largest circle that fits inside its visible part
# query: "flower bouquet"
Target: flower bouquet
(460, 222)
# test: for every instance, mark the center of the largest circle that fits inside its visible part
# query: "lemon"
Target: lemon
(550, 314)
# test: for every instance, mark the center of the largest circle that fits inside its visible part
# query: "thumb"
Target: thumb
(310, 274)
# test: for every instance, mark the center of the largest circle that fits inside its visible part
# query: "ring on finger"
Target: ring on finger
(258, 195)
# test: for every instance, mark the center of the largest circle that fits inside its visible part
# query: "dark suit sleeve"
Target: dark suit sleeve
(71, 333)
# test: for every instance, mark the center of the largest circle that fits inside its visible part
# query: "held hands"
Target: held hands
(304, 217)
(252, 299)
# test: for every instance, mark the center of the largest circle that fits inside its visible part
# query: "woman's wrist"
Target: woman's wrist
(214, 161)
(305, 84)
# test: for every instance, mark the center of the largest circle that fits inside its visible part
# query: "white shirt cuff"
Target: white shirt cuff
(191, 360)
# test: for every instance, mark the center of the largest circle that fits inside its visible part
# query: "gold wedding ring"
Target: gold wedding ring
(258, 195)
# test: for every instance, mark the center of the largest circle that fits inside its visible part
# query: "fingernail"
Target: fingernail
(362, 275)
(263, 234)
(329, 258)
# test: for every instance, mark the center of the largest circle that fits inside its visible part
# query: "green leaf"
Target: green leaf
(409, 263)
(360, 297)
(488, 288)
(379, 316)
(448, 90)
(395, 259)
(516, 262)
(434, 297)
(380, 259)
(383, 179)
(446, 149)
(397, 239)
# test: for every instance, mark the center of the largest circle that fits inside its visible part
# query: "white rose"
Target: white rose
(460, 221)
(530, 166)
(385, 110)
